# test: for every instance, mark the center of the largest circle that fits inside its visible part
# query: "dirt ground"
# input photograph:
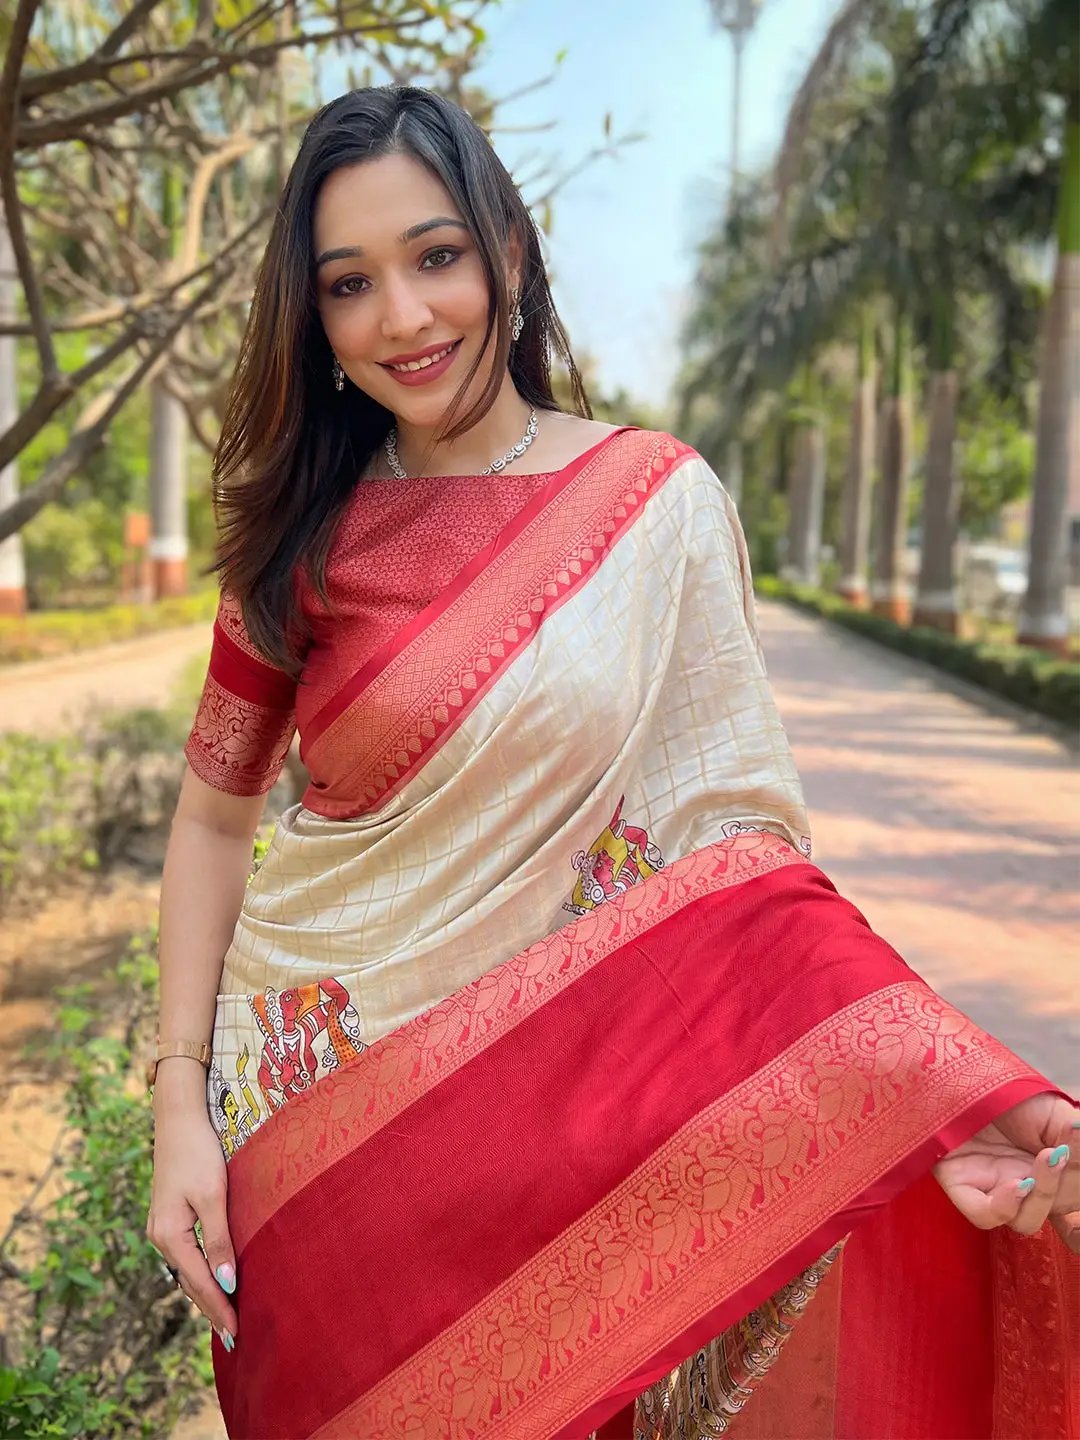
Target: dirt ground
(48, 697)
(75, 936)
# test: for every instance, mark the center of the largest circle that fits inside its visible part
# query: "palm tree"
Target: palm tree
(889, 591)
(806, 485)
(1055, 505)
(855, 541)
(1013, 73)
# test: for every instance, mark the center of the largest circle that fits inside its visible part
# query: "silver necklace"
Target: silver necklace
(390, 446)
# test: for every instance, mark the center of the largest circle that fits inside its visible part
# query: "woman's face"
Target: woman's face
(401, 287)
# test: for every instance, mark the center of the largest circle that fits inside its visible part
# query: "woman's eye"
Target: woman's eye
(441, 257)
(343, 286)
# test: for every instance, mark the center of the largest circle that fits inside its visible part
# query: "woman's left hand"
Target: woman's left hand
(985, 1177)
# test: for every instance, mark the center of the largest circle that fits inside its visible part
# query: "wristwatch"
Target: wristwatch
(194, 1049)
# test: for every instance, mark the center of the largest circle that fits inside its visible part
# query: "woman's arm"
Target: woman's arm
(207, 863)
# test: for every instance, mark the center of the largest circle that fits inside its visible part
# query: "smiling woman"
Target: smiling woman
(395, 288)
(558, 1088)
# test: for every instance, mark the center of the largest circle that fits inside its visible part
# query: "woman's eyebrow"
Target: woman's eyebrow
(352, 252)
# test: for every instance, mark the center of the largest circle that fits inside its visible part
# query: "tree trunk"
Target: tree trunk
(855, 545)
(12, 571)
(936, 604)
(168, 459)
(889, 591)
(1055, 500)
(806, 498)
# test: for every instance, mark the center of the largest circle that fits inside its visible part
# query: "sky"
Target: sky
(622, 244)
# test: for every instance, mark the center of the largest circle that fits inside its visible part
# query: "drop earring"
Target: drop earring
(517, 324)
(338, 373)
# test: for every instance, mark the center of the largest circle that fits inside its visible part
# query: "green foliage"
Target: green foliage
(40, 831)
(60, 632)
(80, 802)
(1030, 678)
(996, 455)
(71, 547)
(98, 1340)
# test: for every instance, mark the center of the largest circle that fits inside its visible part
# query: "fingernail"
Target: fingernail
(1056, 1156)
(226, 1277)
(1025, 1187)
(226, 1339)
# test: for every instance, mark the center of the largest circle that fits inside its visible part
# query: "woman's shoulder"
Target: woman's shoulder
(663, 445)
(575, 433)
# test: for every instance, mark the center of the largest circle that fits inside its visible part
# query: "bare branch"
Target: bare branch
(32, 133)
(200, 187)
(192, 410)
(51, 396)
(140, 11)
(9, 186)
(94, 423)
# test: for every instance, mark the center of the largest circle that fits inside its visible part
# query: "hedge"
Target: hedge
(1032, 678)
(44, 634)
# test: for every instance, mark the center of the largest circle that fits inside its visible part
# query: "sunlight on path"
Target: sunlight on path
(953, 830)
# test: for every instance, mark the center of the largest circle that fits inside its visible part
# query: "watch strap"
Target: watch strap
(191, 1049)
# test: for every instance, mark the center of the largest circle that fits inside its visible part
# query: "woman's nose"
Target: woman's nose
(405, 313)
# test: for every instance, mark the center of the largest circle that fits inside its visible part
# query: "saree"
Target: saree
(562, 1094)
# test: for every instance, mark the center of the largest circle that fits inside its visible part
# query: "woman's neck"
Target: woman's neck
(487, 440)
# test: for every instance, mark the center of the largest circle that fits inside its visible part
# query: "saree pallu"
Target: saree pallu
(554, 1077)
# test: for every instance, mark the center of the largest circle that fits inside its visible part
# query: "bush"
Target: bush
(59, 632)
(79, 803)
(1031, 678)
(71, 547)
(96, 1338)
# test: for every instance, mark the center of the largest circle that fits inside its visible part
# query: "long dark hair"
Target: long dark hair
(292, 447)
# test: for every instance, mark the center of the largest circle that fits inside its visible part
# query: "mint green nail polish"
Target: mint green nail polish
(226, 1339)
(226, 1278)
(1025, 1187)
(1056, 1156)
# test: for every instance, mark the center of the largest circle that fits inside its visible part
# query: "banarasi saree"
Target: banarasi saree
(562, 1093)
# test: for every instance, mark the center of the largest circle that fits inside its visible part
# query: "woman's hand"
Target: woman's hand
(1017, 1171)
(190, 1185)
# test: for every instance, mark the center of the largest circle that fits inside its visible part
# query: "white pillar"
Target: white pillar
(168, 493)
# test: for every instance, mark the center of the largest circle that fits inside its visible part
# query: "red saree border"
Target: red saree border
(239, 670)
(318, 1128)
(697, 1234)
(420, 687)
(340, 702)
(1025, 1273)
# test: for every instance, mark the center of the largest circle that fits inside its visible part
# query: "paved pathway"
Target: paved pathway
(48, 697)
(956, 832)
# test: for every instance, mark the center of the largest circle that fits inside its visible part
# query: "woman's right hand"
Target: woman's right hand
(189, 1185)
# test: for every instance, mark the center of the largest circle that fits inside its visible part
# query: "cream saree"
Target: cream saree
(553, 1075)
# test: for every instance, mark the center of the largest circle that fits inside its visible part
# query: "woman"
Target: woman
(571, 1072)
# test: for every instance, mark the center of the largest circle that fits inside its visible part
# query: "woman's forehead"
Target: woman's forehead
(373, 203)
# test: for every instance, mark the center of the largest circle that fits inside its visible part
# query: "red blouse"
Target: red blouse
(398, 544)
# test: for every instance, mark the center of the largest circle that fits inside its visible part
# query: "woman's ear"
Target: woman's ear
(515, 264)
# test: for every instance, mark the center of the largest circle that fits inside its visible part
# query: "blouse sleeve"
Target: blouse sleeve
(247, 713)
